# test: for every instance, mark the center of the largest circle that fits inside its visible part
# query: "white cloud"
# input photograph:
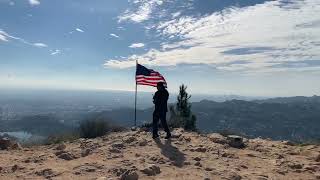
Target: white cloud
(264, 34)
(41, 45)
(114, 35)
(55, 52)
(79, 30)
(143, 12)
(3, 37)
(136, 45)
(34, 2)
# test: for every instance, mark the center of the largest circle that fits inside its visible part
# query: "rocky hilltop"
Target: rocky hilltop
(135, 155)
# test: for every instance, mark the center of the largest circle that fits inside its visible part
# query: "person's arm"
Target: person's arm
(155, 98)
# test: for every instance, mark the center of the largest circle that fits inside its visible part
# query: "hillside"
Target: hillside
(135, 155)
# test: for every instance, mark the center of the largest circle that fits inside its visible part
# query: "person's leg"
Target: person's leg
(155, 125)
(164, 123)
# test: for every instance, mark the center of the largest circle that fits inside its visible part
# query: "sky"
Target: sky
(242, 47)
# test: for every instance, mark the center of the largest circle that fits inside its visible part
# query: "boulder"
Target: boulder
(129, 175)
(66, 156)
(235, 141)
(293, 165)
(118, 145)
(5, 143)
(85, 152)
(151, 170)
(61, 147)
(217, 138)
(143, 142)
(47, 173)
(200, 149)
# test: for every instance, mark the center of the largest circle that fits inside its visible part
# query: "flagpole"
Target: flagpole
(135, 103)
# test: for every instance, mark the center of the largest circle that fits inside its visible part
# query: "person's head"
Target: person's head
(160, 86)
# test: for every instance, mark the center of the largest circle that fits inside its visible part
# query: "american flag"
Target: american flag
(148, 77)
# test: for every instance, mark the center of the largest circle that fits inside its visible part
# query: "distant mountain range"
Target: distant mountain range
(293, 118)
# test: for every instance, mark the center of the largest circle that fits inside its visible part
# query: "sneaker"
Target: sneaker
(155, 136)
(168, 136)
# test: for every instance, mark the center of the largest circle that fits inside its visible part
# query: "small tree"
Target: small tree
(181, 116)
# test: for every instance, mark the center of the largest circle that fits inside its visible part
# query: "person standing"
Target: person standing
(160, 100)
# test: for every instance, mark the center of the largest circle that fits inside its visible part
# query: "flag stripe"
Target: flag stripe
(148, 84)
(150, 81)
(150, 78)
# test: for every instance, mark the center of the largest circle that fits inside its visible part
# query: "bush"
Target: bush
(97, 126)
(63, 137)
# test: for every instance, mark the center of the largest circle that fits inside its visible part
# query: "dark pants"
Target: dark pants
(162, 117)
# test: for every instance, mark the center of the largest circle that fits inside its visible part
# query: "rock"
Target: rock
(235, 141)
(197, 159)
(151, 170)
(85, 152)
(288, 143)
(66, 156)
(200, 149)
(312, 168)
(282, 171)
(198, 164)
(208, 169)
(228, 155)
(318, 158)
(61, 147)
(187, 163)
(47, 173)
(279, 156)
(295, 165)
(118, 145)
(234, 176)
(217, 138)
(115, 150)
(14, 168)
(15, 146)
(129, 175)
(5, 143)
(118, 171)
(143, 142)
(129, 140)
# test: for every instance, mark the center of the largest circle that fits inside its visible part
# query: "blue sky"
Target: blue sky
(256, 47)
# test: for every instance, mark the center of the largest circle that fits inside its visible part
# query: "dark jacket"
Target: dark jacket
(160, 100)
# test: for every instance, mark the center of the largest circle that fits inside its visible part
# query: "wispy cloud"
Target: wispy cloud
(40, 45)
(254, 33)
(79, 30)
(55, 52)
(136, 45)
(142, 13)
(34, 2)
(4, 36)
(114, 35)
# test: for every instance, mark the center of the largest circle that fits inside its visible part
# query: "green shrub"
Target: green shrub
(181, 115)
(97, 126)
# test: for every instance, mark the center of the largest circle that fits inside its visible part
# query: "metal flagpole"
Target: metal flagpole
(135, 105)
